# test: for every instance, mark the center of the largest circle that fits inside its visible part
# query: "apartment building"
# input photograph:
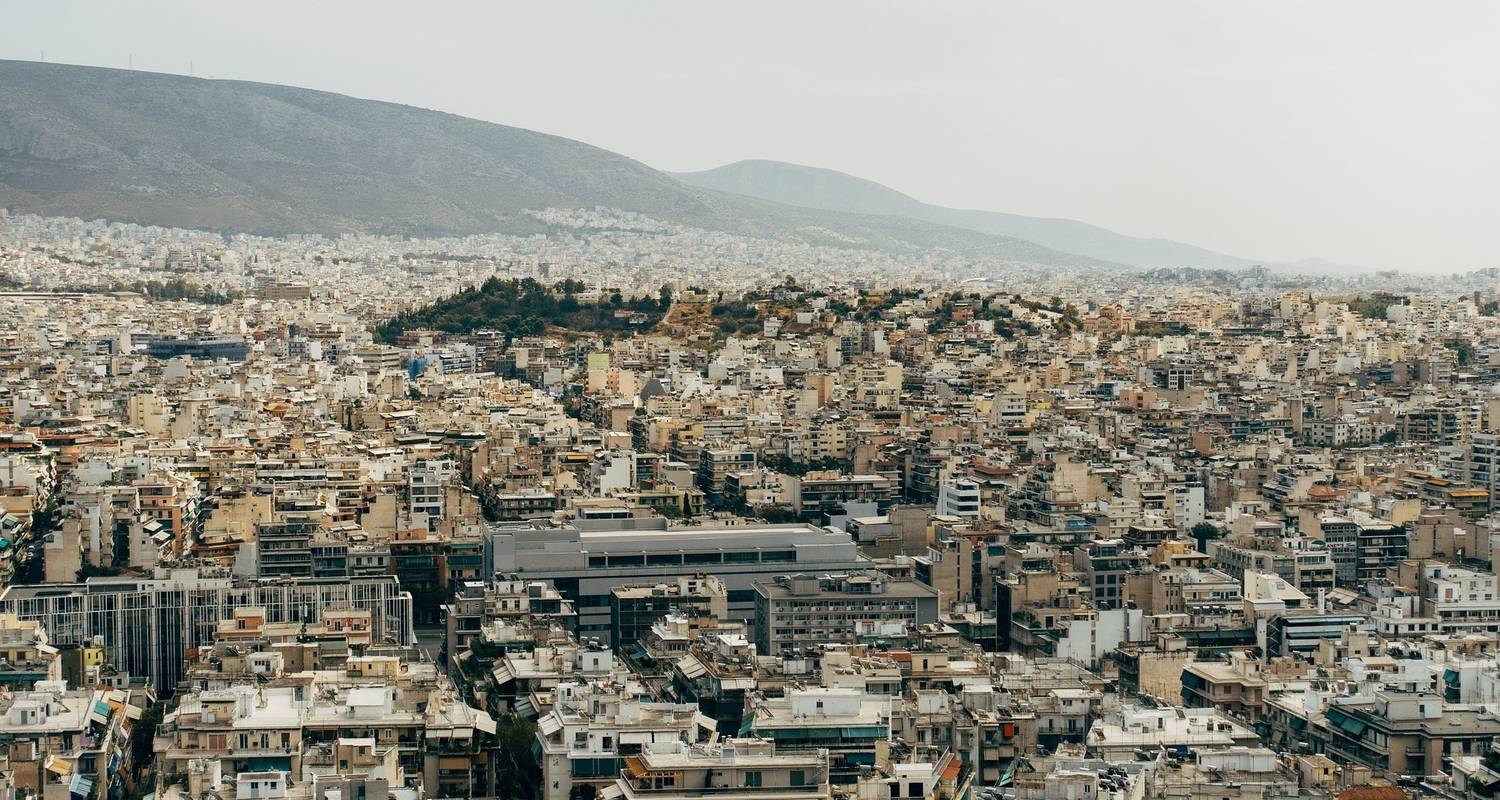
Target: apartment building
(635, 608)
(798, 612)
(593, 729)
(731, 769)
(147, 625)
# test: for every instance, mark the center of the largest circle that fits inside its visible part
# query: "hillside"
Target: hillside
(240, 156)
(525, 307)
(826, 189)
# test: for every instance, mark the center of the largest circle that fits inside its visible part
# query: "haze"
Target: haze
(1358, 132)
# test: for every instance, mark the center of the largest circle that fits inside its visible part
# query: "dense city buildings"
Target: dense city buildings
(735, 519)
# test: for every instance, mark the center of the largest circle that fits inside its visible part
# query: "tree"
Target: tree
(1204, 531)
(517, 773)
(777, 515)
(142, 753)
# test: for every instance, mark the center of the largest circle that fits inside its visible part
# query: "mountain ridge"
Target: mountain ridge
(826, 189)
(227, 155)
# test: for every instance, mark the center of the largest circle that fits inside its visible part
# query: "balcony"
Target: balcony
(644, 787)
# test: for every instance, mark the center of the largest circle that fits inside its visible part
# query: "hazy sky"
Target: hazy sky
(1362, 132)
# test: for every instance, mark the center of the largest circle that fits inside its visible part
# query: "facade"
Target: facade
(586, 739)
(1405, 733)
(800, 612)
(228, 348)
(634, 609)
(148, 625)
(585, 561)
(733, 769)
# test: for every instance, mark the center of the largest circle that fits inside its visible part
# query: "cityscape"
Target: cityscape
(339, 475)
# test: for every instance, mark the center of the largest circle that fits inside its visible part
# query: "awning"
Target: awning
(610, 792)
(636, 767)
(484, 722)
(1345, 722)
(1010, 772)
(690, 667)
(549, 725)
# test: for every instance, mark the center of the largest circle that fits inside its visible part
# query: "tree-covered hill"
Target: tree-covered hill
(526, 307)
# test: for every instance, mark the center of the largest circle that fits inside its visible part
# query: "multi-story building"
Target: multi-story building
(1462, 600)
(477, 604)
(715, 464)
(288, 727)
(959, 498)
(147, 625)
(844, 723)
(828, 490)
(284, 547)
(587, 736)
(427, 485)
(635, 608)
(1103, 567)
(1404, 733)
(731, 769)
(586, 560)
(70, 743)
(799, 612)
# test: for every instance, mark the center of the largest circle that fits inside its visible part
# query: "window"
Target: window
(752, 779)
(799, 778)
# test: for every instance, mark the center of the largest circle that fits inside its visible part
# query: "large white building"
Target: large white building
(959, 498)
(1463, 600)
(587, 559)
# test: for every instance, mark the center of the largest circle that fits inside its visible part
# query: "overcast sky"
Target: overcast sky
(1361, 132)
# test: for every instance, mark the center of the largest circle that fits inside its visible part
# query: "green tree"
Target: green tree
(1204, 531)
(517, 772)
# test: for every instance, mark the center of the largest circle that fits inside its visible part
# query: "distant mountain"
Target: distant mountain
(239, 156)
(826, 189)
